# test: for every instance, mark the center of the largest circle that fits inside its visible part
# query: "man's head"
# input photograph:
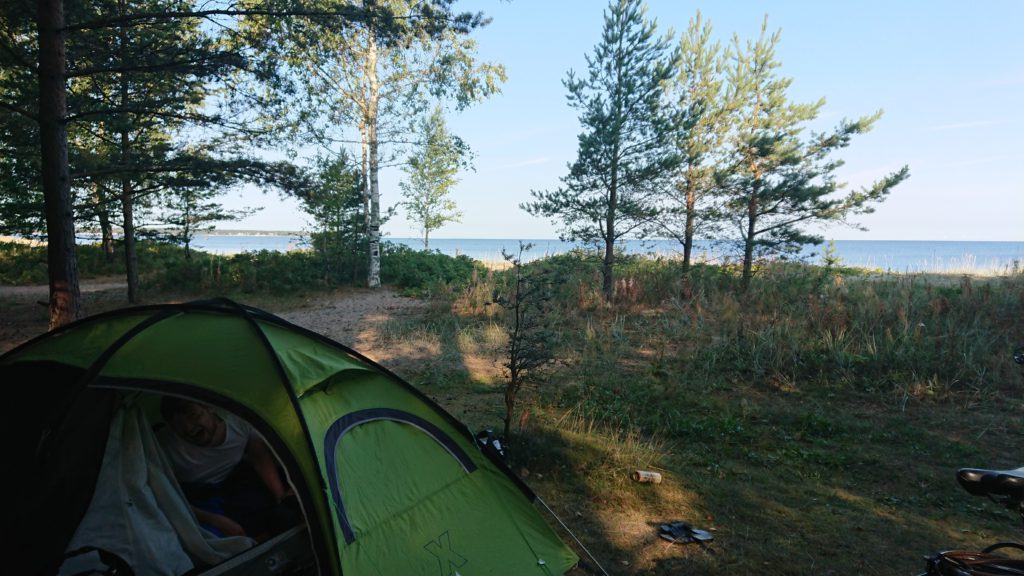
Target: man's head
(193, 422)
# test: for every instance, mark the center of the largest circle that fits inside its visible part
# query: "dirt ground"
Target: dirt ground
(348, 316)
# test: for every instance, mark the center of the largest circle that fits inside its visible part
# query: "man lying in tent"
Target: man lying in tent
(207, 449)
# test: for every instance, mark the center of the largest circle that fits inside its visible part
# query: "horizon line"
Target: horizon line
(219, 231)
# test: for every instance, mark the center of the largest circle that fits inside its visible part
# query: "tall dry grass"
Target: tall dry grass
(817, 417)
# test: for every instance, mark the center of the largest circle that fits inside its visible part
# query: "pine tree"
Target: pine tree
(431, 172)
(39, 38)
(703, 121)
(188, 204)
(625, 157)
(21, 199)
(777, 182)
(335, 203)
(62, 262)
(530, 322)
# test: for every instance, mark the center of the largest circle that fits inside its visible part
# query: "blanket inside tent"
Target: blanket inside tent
(139, 512)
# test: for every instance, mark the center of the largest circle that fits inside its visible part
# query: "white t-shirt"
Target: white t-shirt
(207, 463)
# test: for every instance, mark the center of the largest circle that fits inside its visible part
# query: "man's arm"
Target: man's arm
(226, 525)
(258, 454)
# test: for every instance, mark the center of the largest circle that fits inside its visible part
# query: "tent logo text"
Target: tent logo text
(448, 560)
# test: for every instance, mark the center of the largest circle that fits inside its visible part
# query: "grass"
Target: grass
(814, 423)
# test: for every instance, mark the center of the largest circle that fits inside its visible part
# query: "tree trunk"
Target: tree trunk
(365, 168)
(607, 269)
(691, 218)
(61, 260)
(106, 229)
(510, 408)
(127, 212)
(186, 228)
(748, 238)
(131, 263)
(108, 235)
(748, 242)
(373, 276)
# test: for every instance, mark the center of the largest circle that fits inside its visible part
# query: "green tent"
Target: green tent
(389, 483)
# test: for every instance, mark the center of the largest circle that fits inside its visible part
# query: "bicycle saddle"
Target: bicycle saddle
(1009, 483)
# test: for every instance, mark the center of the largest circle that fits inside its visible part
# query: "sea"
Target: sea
(887, 255)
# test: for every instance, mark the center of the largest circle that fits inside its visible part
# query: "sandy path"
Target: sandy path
(348, 316)
(351, 317)
(41, 292)
(24, 313)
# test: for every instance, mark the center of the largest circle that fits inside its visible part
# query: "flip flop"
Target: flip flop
(683, 533)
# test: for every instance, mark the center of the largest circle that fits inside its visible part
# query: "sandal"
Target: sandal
(683, 533)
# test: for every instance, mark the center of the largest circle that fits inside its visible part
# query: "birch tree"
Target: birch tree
(377, 78)
(431, 173)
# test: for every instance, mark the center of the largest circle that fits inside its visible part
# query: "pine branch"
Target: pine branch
(143, 18)
(182, 65)
(789, 222)
(17, 56)
(240, 126)
(18, 111)
(128, 169)
(464, 21)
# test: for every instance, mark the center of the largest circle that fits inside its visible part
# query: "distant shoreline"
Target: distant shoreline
(300, 233)
(943, 256)
(253, 233)
(516, 239)
(898, 256)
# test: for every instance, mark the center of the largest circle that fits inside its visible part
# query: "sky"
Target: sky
(949, 76)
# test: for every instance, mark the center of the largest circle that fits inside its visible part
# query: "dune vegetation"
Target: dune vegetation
(813, 422)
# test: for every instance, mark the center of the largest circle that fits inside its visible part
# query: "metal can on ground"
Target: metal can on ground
(645, 477)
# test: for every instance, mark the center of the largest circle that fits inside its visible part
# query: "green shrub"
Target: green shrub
(164, 265)
(22, 264)
(266, 271)
(343, 255)
(426, 272)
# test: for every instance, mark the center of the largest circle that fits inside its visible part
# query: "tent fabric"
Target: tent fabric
(139, 512)
(51, 483)
(390, 483)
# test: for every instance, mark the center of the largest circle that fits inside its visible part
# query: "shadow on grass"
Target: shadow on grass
(560, 474)
(863, 489)
(872, 495)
